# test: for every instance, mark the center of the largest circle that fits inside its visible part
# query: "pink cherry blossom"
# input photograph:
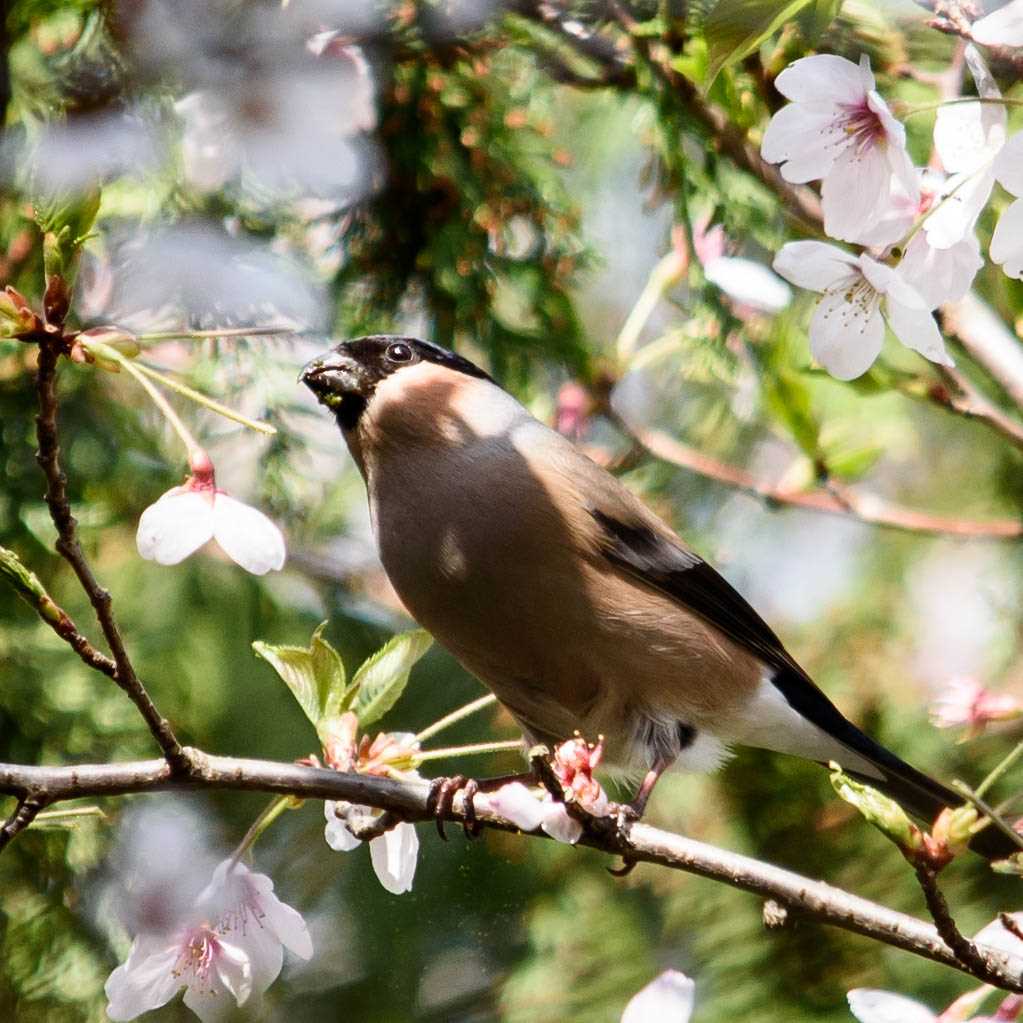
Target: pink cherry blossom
(668, 998)
(859, 295)
(965, 701)
(186, 517)
(226, 946)
(838, 129)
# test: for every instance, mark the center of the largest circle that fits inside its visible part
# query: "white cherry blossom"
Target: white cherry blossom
(968, 137)
(941, 275)
(859, 295)
(1003, 27)
(186, 517)
(668, 998)
(393, 854)
(1007, 241)
(870, 1005)
(227, 946)
(838, 129)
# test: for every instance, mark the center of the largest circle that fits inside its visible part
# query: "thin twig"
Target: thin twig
(835, 499)
(408, 800)
(68, 547)
(966, 951)
(24, 813)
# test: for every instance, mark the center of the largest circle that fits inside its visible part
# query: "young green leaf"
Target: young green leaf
(885, 814)
(315, 675)
(735, 28)
(383, 676)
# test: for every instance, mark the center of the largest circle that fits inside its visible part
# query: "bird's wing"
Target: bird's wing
(658, 561)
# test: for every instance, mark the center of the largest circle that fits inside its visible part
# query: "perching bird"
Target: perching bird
(554, 584)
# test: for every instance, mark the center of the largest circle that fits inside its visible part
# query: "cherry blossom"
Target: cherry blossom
(668, 998)
(870, 1005)
(746, 281)
(393, 853)
(227, 946)
(966, 702)
(186, 517)
(941, 275)
(859, 295)
(838, 129)
(968, 137)
(573, 764)
(1003, 27)
(1007, 241)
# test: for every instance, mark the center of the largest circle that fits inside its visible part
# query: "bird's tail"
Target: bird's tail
(920, 795)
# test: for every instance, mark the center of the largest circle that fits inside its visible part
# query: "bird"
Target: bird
(557, 587)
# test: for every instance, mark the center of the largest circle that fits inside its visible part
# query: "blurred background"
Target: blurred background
(502, 178)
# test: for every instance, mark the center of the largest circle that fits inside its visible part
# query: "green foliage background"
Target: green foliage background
(483, 131)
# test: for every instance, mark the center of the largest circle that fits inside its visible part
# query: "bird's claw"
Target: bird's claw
(442, 797)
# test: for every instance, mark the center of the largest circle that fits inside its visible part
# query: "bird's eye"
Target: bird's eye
(399, 353)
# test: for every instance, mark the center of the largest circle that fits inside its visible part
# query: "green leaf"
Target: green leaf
(382, 677)
(315, 675)
(735, 28)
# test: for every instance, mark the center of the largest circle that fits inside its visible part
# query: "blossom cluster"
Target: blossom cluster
(915, 229)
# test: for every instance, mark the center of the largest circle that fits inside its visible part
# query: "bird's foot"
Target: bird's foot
(442, 798)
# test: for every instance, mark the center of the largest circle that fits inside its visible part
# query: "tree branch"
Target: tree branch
(68, 547)
(24, 813)
(408, 800)
(835, 499)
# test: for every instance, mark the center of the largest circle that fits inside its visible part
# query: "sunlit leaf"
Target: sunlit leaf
(382, 677)
(314, 674)
(735, 28)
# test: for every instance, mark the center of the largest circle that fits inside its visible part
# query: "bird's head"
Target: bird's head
(346, 378)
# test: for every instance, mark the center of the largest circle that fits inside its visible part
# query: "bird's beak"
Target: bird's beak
(334, 376)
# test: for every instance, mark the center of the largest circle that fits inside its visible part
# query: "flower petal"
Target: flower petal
(887, 281)
(857, 193)
(1009, 165)
(824, 78)
(963, 198)
(815, 265)
(749, 283)
(668, 998)
(247, 536)
(146, 980)
(917, 329)
(1003, 27)
(806, 138)
(558, 824)
(287, 925)
(227, 978)
(394, 858)
(515, 802)
(1007, 240)
(941, 275)
(846, 337)
(338, 837)
(180, 522)
(870, 1005)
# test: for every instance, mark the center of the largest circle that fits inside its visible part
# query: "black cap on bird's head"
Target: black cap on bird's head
(345, 378)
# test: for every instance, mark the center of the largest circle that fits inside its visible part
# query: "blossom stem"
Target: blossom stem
(667, 272)
(202, 399)
(201, 335)
(269, 814)
(455, 716)
(904, 244)
(999, 770)
(191, 444)
(468, 751)
(1003, 101)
